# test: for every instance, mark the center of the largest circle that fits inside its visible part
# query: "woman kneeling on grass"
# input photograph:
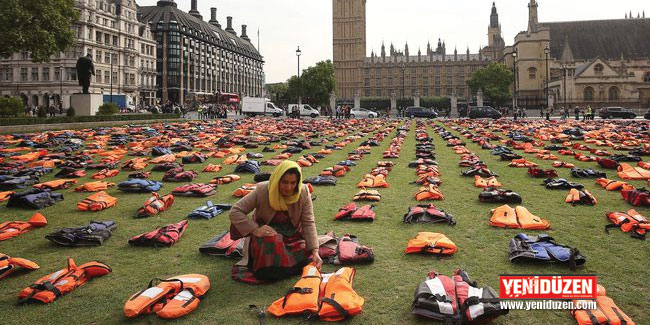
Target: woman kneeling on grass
(281, 238)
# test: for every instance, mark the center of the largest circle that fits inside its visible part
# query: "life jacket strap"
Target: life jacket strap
(336, 306)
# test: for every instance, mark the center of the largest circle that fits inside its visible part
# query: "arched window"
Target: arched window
(598, 69)
(532, 73)
(589, 94)
(646, 77)
(614, 93)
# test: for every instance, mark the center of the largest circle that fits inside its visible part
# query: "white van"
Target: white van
(252, 106)
(305, 110)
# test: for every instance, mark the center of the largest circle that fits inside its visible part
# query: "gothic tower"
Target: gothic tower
(532, 16)
(495, 41)
(349, 22)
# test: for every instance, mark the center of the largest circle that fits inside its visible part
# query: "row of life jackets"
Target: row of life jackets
(518, 218)
(171, 298)
(330, 296)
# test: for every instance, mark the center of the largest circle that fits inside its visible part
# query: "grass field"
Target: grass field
(387, 285)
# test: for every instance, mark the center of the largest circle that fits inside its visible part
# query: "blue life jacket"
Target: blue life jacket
(543, 248)
(137, 185)
(209, 211)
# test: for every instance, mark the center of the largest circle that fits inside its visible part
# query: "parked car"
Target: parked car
(362, 113)
(647, 115)
(420, 112)
(484, 112)
(616, 112)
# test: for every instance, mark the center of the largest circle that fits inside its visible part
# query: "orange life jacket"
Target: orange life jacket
(52, 286)
(331, 296)
(235, 160)
(559, 164)
(576, 196)
(481, 182)
(155, 204)
(337, 171)
(611, 185)
(373, 181)
(385, 164)
(607, 312)
(431, 243)
(303, 162)
(11, 229)
(546, 156)
(210, 168)
(221, 180)
(626, 171)
(135, 163)
(97, 202)
(518, 218)
(94, 186)
(56, 184)
(168, 158)
(630, 221)
(368, 195)
(9, 265)
(430, 192)
(171, 298)
(244, 190)
(4, 196)
(522, 163)
(105, 173)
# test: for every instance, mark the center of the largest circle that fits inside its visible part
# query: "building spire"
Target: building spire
(567, 53)
(532, 16)
(494, 17)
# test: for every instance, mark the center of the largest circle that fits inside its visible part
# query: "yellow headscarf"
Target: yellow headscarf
(277, 201)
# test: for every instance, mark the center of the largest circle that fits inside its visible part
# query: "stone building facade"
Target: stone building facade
(195, 57)
(123, 51)
(402, 73)
(598, 63)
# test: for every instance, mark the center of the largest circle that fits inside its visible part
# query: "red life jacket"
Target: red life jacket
(165, 236)
(632, 222)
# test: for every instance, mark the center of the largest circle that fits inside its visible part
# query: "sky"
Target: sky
(286, 24)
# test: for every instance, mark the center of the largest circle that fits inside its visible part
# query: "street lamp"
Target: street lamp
(514, 71)
(61, 86)
(298, 53)
(546, 52)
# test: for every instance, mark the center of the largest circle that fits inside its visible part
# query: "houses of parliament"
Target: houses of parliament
(399, 72)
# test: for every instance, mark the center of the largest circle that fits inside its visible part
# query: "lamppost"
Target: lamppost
(546, 52)
(298, 53)
(111, 76)
(61, 86)
(514, 71)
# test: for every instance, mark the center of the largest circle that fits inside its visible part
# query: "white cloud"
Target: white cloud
(285, 24)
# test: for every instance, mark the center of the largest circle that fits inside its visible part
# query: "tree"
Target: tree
(41, 27)
(315, 84)
(494, 81)
(278, 92)
(11, 106)
(108, 109)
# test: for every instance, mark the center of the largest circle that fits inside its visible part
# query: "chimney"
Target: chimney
(243, 33)
(213, 18)
(194, 12)
(229, 25)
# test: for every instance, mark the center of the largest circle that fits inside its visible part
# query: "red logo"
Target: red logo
(547, 287)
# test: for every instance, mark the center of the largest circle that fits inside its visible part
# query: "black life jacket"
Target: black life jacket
(92, 235)
(223, 245)
(456, 300)
(321, 180)
(428, 214)
(543, 248)
(497, 195)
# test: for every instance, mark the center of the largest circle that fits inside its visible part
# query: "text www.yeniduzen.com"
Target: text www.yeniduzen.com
(547, 304)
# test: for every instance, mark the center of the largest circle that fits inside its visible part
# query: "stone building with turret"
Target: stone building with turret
(404, 72)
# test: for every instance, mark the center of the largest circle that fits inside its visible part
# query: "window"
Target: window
(46, 74)
(71, 73)
(532, 73)
(34, 74)
(598, 69)
(57, 73)
(98, 76)
(589, 93)
(107, 78)
(614, 93)
(646, 77)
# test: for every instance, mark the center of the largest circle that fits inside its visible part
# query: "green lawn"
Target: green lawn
(387, 285)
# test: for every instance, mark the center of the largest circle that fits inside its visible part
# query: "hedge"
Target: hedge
(81, 119)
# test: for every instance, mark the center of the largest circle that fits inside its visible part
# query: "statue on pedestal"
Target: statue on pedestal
(85, 70)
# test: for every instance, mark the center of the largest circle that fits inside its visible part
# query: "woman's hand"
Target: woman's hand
(264, 231)
(315, 258)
